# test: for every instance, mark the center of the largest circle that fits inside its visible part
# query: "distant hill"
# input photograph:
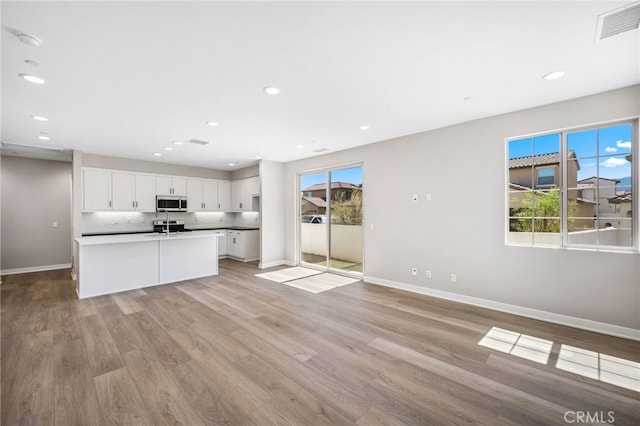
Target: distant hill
(624, 185)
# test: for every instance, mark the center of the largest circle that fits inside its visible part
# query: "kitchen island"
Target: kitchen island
(113, 263)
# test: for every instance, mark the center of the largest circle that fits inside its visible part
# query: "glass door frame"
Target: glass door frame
(298, 215)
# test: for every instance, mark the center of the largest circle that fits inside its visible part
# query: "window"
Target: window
(573, 188)
(546, 176)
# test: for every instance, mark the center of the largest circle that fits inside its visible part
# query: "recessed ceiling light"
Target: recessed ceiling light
(212, 123)
(168, 148)
(553, 75)
(32, 78)
(364, 127)
(43, 136)
(299, 146)
(258, 157)
(178, 143)
(32, 63)
(232, 164)
(29, 39)
(468, 98)
(39, 118)
(157, 154)
(270, 90)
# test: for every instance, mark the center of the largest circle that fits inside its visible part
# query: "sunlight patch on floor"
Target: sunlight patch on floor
(606, 368)
(518, 344)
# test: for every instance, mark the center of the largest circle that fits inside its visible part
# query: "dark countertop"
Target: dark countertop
(219, 228)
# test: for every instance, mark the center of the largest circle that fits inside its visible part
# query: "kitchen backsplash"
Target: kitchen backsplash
(103, 222)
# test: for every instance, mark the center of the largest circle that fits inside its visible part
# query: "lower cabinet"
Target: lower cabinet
(243, 245)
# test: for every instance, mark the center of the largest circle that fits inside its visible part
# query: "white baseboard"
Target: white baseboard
(272, 264)
(34, 269)
(585, 324)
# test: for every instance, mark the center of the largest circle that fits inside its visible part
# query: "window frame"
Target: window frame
(562, 180)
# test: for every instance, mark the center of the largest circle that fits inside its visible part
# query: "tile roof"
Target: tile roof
(316, 201)
(539, 160)
(334, 185)
(624, 197)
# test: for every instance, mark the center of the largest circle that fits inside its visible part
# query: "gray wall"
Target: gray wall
(461, 230)
(35, 193)
(104, 162)
(246, 172)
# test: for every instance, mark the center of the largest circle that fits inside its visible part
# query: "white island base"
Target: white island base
(114, 263)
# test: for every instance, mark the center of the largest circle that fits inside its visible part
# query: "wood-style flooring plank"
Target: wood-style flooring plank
(120, 401)
(27, 378)
(102, 352)
(162, 397)
(76, 400)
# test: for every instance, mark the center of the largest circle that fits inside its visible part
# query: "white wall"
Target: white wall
(272, 213)
(461, 230)
(35, 194)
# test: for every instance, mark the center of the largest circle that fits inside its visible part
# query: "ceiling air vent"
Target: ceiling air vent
(618, 21)
(198, 142)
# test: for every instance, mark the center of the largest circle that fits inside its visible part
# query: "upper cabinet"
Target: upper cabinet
(105, 190)
(114, 190)
(208, 195)
(96, 190)
(245, 195)
(224, 195)
(133, 192)
(171, 185)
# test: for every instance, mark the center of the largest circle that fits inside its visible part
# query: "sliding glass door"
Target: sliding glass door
(330, 221)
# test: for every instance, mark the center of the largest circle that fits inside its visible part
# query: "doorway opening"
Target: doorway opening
(330, 222)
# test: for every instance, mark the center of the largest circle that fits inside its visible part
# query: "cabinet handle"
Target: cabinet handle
(136, 204)
(109, 204)
(240, 205)
(133, 204)
(218, 205)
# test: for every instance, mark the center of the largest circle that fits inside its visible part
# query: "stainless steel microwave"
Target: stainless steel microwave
(169, 203)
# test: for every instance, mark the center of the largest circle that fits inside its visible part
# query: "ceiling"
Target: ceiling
(128, 79)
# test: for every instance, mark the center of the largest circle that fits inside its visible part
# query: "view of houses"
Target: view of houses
(345, 221)
(594, 203)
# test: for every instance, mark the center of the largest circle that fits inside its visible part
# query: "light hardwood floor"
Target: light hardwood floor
(240, 350)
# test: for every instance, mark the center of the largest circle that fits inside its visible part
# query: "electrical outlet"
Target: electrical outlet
(428, 197)
(453, 278)
(428, 274)
(414, 271)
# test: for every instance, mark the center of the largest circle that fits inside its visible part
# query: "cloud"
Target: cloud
(611, 149)
(614, 162)
(588, 164)
(623, 144)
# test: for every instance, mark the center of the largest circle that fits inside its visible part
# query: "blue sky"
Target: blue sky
(612, 144)
(351, 175)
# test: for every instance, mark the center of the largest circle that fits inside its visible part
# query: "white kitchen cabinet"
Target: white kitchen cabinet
(133, 192)
(224, 195)
(145, 187)
(205, 195)
(243, 245)
(222, 243)
(244, 193)
(171, 185)
(96, 190)
(194, 195)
